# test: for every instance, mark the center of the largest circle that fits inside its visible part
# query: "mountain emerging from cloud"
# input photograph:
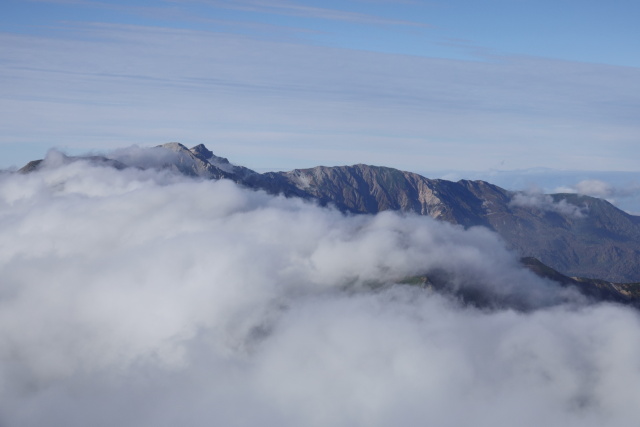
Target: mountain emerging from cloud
(139, 288)
(577, 235)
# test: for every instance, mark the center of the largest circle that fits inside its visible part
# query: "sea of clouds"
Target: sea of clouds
(142, 298)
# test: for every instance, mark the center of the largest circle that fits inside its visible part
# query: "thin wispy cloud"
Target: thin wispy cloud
(545, 202)
(297, 9)
(177, 84)
(73, 2)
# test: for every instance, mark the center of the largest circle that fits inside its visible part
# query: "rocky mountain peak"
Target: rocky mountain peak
(203, 152)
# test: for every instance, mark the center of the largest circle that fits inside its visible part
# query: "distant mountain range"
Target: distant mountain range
(579, 236)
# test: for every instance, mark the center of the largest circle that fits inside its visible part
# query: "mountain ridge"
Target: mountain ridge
(577, 235)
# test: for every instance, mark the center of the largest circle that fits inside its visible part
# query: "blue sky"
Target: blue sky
(417, 85)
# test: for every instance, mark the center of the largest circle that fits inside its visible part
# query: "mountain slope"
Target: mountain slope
(578, 235)
(601, 290)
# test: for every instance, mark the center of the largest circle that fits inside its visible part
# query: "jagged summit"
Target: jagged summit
(201, 151)
(200, 161)
(189, 163)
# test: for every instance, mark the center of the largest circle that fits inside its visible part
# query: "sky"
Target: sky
(139, 297)
(424, 86)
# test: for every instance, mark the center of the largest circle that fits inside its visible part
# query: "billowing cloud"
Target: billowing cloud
(139, 297)
(625, 195)
(619, 188)
(602, 189)
(545, 202)
(596, 188)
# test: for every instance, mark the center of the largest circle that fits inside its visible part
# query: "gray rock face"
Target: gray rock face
(371, 189)
(201, 153)
(577, 235)
(193, 162)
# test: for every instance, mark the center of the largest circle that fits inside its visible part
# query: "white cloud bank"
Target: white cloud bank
(137, 297)
(545, 202)
(616, 194)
